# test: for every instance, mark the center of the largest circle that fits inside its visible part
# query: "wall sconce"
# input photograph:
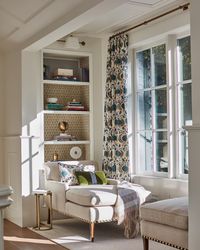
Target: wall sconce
(72, 42)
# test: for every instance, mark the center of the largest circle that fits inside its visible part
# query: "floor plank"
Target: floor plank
(17, 238)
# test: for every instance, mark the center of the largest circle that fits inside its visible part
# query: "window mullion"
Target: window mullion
(153, 111)
(171, 89)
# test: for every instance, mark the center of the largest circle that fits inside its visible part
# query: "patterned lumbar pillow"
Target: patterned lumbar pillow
(67, 171)
(88, 178)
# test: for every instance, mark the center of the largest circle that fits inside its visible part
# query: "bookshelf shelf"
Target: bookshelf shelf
(54, 142)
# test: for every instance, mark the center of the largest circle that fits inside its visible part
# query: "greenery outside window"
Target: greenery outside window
(184, 90)
(153, 116)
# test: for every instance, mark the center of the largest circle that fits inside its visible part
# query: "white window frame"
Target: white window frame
(172, 114)
(178, 83)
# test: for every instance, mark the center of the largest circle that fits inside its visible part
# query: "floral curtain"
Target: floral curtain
(115, 148)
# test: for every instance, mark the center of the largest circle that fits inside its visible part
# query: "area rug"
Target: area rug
(73, 234)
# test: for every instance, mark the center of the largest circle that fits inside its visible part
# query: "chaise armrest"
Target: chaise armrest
(113, 182)
(58, 190)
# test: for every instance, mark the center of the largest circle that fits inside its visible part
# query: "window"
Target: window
(184, 90)
(155, 124)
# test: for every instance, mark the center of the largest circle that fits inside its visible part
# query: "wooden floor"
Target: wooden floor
(17, 238)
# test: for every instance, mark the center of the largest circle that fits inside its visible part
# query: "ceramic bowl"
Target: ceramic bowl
(52, 100)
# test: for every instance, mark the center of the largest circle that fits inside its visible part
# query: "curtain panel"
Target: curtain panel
(115, 146)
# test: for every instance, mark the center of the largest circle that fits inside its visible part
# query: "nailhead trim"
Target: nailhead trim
(165, 243)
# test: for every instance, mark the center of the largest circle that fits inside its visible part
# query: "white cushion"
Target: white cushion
(171, 212)
(92, 195)
(90, 214)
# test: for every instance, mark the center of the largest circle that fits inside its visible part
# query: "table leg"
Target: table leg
(38, 212)
(49, 221)
(1, 230)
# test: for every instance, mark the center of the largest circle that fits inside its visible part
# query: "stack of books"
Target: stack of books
(54, 106)
(75, 106)
(64, 137)
(64, 75)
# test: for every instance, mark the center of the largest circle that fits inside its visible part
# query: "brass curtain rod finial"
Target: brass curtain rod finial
(185, 7)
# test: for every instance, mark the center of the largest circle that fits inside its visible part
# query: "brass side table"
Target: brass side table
(48, 195)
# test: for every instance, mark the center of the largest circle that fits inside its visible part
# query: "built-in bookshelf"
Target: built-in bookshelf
(67, 82)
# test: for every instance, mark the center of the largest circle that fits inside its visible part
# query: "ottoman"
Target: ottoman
(166, 222)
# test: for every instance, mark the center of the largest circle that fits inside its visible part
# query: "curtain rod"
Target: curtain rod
(183, 7)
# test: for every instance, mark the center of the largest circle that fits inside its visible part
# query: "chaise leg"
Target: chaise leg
(145, 243)
(92, 232)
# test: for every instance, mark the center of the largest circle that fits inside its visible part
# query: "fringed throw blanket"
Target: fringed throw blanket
(130, 197)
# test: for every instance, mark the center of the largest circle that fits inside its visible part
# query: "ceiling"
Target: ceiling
(21, 20)
(126, 15)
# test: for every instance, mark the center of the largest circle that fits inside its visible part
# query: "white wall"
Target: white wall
(12, 131)
(159, 30)
(194, 132)
(30, 139)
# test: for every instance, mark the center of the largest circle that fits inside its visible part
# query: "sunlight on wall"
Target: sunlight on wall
(30, 156)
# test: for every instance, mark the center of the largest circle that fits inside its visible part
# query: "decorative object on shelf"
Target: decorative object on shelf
(63, 136)
(63, 126)
(65, 78)
(55, 156)
(75, 106)
(64, 72)
(52, 100)
(64, 75)
(84, 74)
(45, 71)
(75, 153)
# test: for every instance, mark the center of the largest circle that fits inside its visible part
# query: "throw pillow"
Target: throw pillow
(101, 177)
(85, 177)
(90, 168)
(67, 173)
(88, 178)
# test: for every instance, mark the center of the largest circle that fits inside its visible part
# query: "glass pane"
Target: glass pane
(184, 58)
(143, 62)
(159, 60)
(185, 108)
(145, 151)
(145, 110)
(161, 152)
(161, 108)
(183, 159)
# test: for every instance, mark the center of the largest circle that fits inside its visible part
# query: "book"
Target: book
(75, 108)
(63, 72)
(54, 106)
(74, 104)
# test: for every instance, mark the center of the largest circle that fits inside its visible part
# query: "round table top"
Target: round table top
(41, 191)
(5, 190)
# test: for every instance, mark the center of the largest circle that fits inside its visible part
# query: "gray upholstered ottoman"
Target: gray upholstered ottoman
(166, 222)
